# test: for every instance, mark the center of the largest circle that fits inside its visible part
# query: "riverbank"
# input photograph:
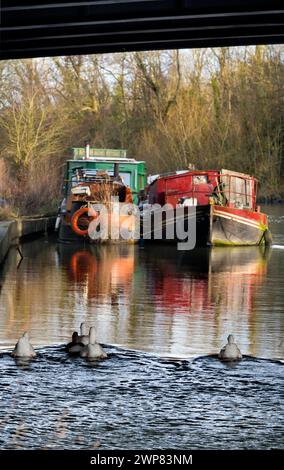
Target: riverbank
(12, 231)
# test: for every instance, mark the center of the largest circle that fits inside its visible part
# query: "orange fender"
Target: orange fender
(75, 221)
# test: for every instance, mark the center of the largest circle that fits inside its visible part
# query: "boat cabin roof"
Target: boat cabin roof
(106, 160)
(184, 173)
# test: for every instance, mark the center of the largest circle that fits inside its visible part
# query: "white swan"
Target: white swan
(23, 347)
(93, 349)
(84, 337)
(230, 352)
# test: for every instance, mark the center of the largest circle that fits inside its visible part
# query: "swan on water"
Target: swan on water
(23, 347)
(93, 349)
(230, 352)
(84, 336)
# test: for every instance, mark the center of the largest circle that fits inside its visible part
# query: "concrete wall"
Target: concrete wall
(12, 231)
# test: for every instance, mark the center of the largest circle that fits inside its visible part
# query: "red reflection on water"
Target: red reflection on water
(227, 279)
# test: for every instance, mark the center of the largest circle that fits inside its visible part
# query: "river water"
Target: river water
(162, 316)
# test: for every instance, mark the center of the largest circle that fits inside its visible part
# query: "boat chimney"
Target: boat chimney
(87, 151)
(116, 170)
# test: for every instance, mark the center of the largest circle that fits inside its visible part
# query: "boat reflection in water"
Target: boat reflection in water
(98, 270)
(204, 278)
(166, 301)
(203, 295)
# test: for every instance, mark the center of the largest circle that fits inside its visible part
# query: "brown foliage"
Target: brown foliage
(213, 108)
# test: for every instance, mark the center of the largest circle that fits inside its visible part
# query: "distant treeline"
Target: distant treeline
(211, 107)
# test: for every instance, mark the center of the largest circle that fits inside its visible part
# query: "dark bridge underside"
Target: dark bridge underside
(31, 28)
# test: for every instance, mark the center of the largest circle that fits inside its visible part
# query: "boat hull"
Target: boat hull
(237, 227)
(215, 226)
(109, 227)
(151, 230)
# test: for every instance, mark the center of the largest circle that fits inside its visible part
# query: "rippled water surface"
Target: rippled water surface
(136, 400)
(157, 310)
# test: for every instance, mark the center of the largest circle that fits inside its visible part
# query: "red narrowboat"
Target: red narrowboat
(225, 203)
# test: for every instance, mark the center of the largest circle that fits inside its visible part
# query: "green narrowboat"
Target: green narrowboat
(92, 176)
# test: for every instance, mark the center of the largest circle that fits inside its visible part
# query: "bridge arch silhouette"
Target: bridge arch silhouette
(31, 28)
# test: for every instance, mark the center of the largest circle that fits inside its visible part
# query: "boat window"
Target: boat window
(238, 189)
(198, 179)
(91, 173)
(74, 181)
(126, 178)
